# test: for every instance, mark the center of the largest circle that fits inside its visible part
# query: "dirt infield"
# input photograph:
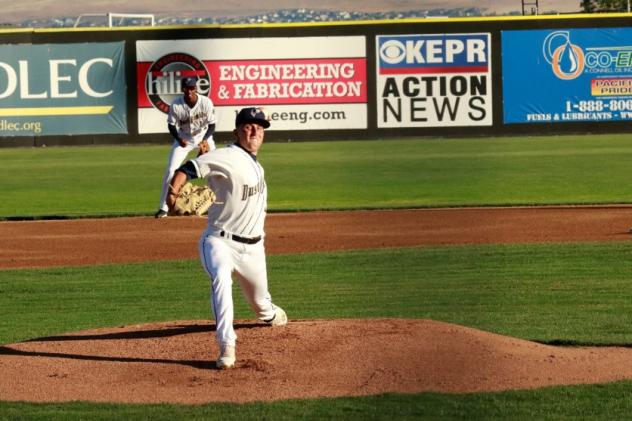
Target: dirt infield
(125, 240)
(173, 362)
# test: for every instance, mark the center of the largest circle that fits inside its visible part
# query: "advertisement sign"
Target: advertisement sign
(434, 80)
(567, 75)
(304, 83)
(62, 89)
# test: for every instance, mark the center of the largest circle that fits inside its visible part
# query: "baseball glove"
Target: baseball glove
(193, 200)
(204, 147)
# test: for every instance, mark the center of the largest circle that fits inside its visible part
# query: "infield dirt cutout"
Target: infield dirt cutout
(174, 361)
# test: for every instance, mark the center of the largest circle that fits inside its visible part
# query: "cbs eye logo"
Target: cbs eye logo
(567, 60)
(393, 52)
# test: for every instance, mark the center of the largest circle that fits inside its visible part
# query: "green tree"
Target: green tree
(603, 6)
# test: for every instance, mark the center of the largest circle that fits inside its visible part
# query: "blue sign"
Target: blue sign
(62, 89)
(567, 75)
(444, 53)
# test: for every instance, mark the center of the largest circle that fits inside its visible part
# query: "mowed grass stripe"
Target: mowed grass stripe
(125, 180)
(577, 293)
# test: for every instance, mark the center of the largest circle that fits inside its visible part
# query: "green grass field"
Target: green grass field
(576, 294)
(111, 181)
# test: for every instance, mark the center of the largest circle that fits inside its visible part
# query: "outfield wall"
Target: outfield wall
(347, 80)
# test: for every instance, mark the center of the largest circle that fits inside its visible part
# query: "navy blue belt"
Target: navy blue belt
(239, 239)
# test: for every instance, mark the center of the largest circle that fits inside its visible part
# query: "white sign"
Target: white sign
(433, 80)
(303, 83)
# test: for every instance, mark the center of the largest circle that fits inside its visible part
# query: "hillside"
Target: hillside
(16, 12)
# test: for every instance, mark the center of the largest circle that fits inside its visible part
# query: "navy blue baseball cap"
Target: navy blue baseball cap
(252, 115)
(189, 82)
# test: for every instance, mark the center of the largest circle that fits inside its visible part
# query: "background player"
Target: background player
(191, 121)
(233, 240)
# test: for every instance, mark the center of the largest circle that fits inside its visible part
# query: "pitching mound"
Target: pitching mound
(174, 362)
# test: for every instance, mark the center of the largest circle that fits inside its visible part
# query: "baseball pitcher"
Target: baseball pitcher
(233, 242)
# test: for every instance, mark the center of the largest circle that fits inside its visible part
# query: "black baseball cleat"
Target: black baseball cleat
(160, 214)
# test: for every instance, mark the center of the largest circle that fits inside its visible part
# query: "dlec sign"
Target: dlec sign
(62, 89)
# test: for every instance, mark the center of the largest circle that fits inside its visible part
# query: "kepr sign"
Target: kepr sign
(434, 80)
(62, 89)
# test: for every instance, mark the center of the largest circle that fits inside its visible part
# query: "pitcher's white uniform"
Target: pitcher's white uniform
(192, 124)
(233, 240)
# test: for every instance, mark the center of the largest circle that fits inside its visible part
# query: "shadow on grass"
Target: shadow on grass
(128, 335)
(143, 334)
(579, 344)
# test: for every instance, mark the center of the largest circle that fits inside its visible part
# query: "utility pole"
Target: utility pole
(534, 8)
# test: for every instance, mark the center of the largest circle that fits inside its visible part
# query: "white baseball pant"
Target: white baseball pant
(221, 257)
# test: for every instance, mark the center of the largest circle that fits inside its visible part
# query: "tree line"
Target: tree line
(603, 6)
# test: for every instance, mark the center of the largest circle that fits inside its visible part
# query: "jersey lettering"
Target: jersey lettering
(248, 191)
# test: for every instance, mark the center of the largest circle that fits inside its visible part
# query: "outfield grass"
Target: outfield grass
(576, 294)
(602, 402)
(571, 293)
(110, 181)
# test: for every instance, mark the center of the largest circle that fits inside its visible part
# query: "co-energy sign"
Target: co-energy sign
(434, 80)
(582, 75)
(305, 83)
(62, 89)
